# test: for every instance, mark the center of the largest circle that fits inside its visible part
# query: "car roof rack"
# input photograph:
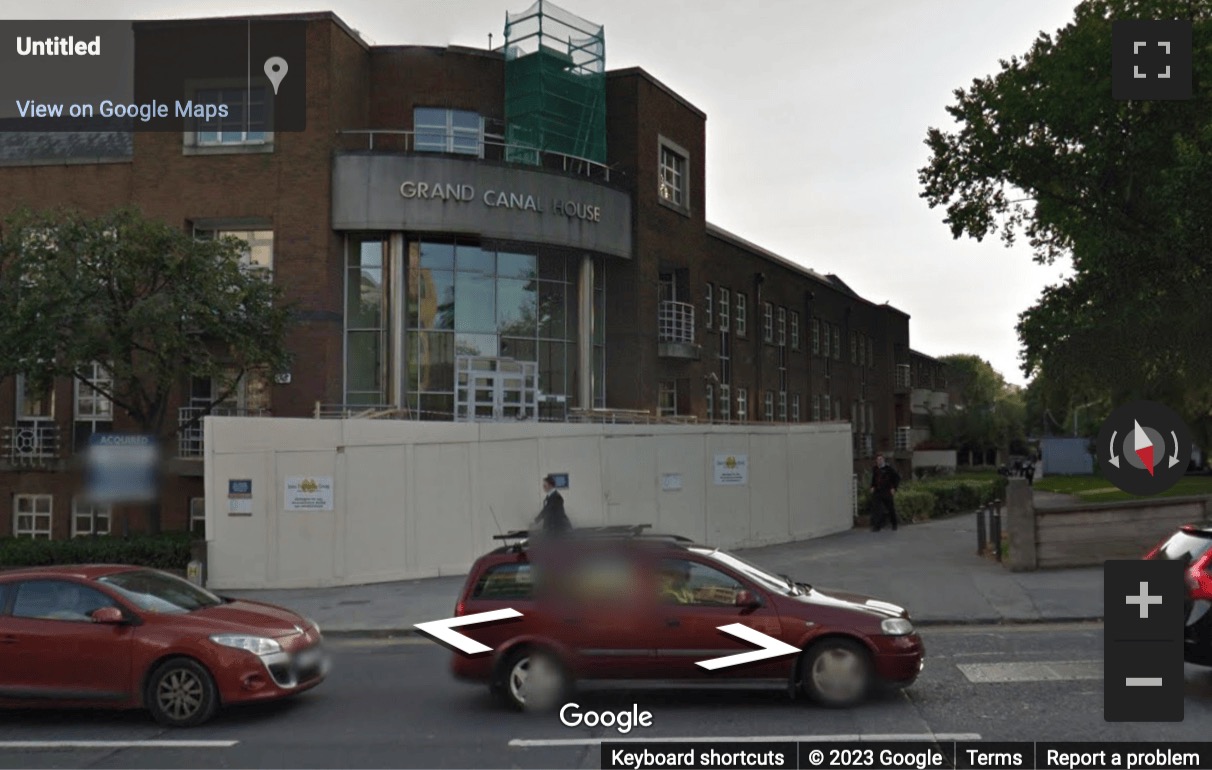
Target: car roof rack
(618, 531)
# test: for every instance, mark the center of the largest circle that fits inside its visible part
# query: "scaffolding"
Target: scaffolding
(555, 85)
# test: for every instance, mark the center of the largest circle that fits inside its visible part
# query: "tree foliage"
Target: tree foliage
(149, 302)
(1042, 151)
(989, 413)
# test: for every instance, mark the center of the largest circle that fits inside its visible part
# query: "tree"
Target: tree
(990, 412)
(149, 302)
(1120, 187)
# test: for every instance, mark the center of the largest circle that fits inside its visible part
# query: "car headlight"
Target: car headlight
(257, 645)
(896, 627)
(313, 624)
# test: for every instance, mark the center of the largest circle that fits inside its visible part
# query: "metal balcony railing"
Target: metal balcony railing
(493, 148)
(903, 381)
(904, 438)
(31, 442)
(864, 445)
(675, 322)
(189, 426)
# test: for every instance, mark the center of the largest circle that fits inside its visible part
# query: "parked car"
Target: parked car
(126, 637)
(1192, 545)
(631, 606)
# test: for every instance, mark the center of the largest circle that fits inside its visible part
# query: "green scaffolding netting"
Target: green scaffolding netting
(555, 85)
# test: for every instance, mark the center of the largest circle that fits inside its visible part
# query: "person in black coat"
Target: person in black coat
(884, 483)
(552, 518)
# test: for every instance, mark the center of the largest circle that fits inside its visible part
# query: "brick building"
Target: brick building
(448, 265)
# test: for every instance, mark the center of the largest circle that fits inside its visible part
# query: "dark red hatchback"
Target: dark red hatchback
(649, 608)
(127, 637)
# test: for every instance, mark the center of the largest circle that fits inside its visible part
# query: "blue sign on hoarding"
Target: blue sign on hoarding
(122, 468)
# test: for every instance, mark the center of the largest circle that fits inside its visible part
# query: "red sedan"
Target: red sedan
(126, 637)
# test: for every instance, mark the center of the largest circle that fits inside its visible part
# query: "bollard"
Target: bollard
(981, 539)
(995, 513)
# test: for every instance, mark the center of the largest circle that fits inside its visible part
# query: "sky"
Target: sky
(817, 111)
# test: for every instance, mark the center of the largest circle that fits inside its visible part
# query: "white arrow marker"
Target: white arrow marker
(1174, 457)
(443, 630)
(1114, 457)
(770, 648)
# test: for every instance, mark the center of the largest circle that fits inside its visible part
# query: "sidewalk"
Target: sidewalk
(931, 568)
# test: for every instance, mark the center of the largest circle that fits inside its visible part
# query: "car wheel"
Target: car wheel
(836, 673)
(182, 693)
(533, 680)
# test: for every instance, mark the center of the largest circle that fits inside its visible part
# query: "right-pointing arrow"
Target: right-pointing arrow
(770, 648)
(443, 630)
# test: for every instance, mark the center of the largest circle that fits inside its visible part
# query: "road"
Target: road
(391, 703)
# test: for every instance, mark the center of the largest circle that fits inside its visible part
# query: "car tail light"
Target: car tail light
(460, 608)
(1199, 580)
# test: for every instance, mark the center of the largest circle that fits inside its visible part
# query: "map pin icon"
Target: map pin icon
(275, 70)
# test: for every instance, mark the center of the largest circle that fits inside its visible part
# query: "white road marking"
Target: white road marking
(117, 744)
(1032, 671)
(552, 742)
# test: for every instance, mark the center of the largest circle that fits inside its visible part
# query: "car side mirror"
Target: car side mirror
(108, 615)
(747, 599)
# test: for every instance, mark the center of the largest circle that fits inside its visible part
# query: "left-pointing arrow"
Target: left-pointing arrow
(443, 630)
(771, 648)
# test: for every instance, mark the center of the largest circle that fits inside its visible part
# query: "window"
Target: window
(870, 353)
(768, 322)
(827, 410)
(742, 313)
(32, 516)
(862, 418)
(782, 327)
(837, 409)
(870, 418)
(94, 412)
(768, 412)
(505, 581)
(825, 348)
(725, 361)
(795, 407)
(862, 350)
(795, 330)
(816, 337)
(742, 404)
(197, 516)
(258, 245)
(709, 310)
(725, 308)
(782, 406)
(89, 518)
(672, 187)
(726, 403)
(34, 405)
(837, 343)
(58, 600)
(682, 581)
(441, 130)
(247, 120)
(710, 403)
(853, 348)
(668, 398)
(816, 408)
(854, 411)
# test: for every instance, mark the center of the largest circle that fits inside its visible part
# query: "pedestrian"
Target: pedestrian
(552, 519)
(884, 483)
(1030, 470)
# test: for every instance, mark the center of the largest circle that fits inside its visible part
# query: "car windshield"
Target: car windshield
(753, 572)
(159, 592)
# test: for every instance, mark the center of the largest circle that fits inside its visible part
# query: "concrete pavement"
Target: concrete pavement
(931, 568)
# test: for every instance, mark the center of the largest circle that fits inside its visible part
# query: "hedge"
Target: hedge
(164, 551)
(940, 497)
